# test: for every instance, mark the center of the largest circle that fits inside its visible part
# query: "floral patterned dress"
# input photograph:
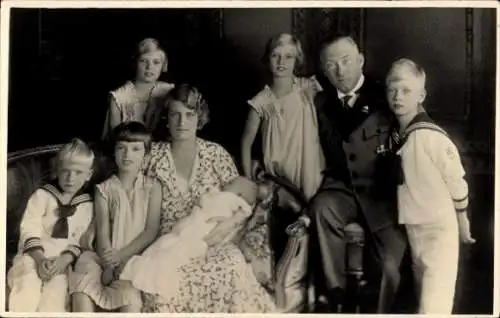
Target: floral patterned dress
(222, 280)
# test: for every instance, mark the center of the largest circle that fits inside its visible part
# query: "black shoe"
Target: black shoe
(335, 300)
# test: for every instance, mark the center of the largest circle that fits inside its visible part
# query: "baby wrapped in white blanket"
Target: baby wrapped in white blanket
(186, 241)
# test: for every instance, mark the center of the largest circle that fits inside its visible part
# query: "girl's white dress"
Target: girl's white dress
(177, 248)
(131, 108)
(291, 145)
(128, 214)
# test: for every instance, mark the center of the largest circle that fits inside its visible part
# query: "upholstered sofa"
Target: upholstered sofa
(29, 168)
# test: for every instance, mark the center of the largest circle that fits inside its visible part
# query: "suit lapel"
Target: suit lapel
(358, 113)
(347, 120)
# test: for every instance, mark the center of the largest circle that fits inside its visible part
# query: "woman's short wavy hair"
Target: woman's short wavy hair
(283, 39)
(192, 98)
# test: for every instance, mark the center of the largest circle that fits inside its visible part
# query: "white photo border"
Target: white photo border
(6, 5)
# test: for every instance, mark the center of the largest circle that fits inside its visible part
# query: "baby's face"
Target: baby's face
(243, 187)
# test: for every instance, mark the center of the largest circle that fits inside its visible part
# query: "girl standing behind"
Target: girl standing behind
(142, 99)
(285, 113)
(127, 207)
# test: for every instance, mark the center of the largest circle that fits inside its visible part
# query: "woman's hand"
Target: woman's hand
(224, 231)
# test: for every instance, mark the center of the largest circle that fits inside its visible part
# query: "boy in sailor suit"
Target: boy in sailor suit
(432, 193)
(54, 225)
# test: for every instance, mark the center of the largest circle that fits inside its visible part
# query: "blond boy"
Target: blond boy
(433, 196)
(57, 217)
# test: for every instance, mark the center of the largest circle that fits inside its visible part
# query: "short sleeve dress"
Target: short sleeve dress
(128, 215)
(221, 281)
(131, 108)
(290, 139)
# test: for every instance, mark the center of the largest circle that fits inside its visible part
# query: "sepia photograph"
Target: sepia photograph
(257, 157)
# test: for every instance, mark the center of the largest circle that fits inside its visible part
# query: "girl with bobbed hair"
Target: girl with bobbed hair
(142, 98)
(284, 112)
(127, 217)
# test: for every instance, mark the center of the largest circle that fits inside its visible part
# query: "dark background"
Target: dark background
(63, 63)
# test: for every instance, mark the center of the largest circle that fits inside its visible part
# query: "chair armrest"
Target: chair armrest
(292, 224)
(299, 227)
(291, 272)
(289, 187)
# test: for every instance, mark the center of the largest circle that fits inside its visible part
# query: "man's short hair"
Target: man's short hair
(332, 38)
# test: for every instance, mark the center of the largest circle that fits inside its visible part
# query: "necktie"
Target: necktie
(345, 101)
(60, 229)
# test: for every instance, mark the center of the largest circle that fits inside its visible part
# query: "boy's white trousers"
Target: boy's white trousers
(435, 252)
(29, 294)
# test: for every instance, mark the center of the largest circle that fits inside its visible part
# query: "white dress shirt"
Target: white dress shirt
(353, 92)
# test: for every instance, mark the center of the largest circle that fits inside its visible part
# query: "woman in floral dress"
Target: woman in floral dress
(187, 166)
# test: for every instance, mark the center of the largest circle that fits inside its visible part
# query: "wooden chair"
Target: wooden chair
(290, 223)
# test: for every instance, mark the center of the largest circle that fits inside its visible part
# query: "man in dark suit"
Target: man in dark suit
(354, 127)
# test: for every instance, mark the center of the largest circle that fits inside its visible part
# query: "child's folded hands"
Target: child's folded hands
(43, 268)
(61, 263)
(51, 267)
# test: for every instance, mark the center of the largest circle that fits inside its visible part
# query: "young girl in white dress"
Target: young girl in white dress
(143, 98)
(186, 241)
(286, 116)
(127, 207)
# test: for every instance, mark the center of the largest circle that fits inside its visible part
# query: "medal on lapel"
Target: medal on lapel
(381, 149)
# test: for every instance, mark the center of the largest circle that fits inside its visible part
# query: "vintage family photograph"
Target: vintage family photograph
(250, 157)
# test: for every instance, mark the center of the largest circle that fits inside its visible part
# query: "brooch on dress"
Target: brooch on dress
(365, 109)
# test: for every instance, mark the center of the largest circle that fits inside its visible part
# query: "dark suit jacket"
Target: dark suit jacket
(352, 140)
